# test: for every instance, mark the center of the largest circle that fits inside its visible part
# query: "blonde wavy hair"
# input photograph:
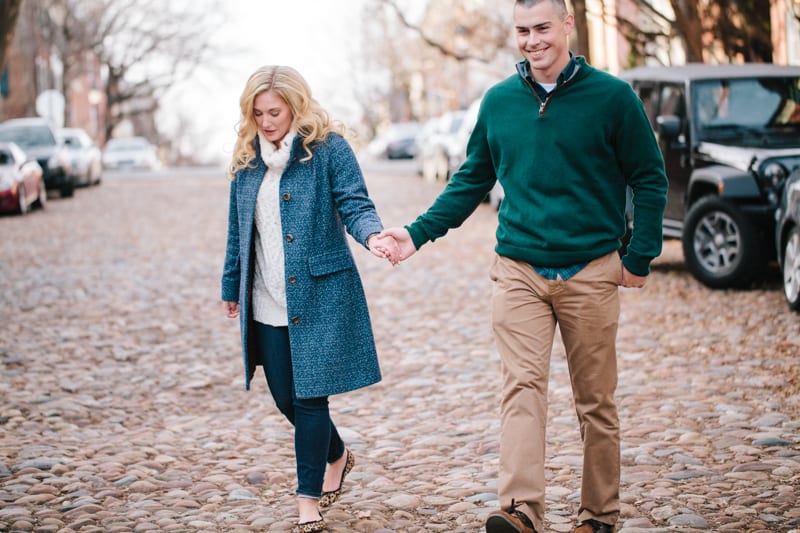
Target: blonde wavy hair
(309, 119)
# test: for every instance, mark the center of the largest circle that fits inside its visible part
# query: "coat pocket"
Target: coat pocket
(330, 262)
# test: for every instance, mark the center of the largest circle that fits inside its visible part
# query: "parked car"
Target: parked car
(399, 140)
(21, 182)
(130, 152)
(730, 136)
(458, 148)
(85, 156)
(38, 140)
(435, 144)
(496, 196)
(428, 129)
(458, 151)
(787, 239)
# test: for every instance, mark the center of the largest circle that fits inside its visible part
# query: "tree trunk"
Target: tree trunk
(690, 28)
(9, 11)
(581, 30)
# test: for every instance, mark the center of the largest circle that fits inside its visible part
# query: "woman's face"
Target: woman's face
(272, 115)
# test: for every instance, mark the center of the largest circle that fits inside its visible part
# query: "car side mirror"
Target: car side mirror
(668, 126)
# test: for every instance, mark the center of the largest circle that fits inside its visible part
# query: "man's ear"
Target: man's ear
(569, 23)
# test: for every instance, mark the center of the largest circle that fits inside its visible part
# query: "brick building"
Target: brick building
(34, 66)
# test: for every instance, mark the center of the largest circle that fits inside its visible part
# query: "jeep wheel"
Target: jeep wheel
(720, 245)
(791, 269)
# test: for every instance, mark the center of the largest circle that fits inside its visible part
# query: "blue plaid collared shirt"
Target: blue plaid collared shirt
(564, 273)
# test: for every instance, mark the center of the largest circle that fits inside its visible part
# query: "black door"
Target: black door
(675, 149)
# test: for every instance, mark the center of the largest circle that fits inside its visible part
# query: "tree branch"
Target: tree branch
(459, 56)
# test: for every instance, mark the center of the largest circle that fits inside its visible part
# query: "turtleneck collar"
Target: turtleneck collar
(274, 157)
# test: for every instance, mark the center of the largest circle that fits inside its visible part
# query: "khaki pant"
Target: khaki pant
(525, 310)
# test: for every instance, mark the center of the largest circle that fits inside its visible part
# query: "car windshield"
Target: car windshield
(27, 136)
(126, 144)
(455, 124)
(405, 130)
(765, 108)
(73, 140)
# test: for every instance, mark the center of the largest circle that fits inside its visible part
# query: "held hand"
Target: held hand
(632, 280)
(384, 247)
(403, 239)
(231, 309)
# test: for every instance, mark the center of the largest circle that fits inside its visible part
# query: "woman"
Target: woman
(289, 274)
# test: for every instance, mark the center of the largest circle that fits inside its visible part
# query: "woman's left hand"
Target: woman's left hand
(384, 247)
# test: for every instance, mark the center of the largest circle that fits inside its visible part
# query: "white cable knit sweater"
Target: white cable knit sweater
(269, 283)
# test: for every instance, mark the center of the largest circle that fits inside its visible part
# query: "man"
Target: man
(564, 140)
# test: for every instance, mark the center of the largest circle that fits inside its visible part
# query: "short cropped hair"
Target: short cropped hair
(560, 6)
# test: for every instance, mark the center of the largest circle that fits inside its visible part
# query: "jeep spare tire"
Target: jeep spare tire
(720, 245)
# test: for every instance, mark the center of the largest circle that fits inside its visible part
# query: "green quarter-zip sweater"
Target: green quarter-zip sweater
(564, 164)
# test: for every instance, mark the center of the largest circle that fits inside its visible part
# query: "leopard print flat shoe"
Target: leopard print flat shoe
(331, 496)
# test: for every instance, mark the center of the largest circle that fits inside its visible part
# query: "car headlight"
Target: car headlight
(59, 159)
(775, 173)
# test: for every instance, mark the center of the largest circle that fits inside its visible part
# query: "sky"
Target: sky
(316, 37)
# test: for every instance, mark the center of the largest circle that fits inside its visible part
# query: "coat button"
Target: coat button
(289, 237)
(295, 320)
(287, 196)
(292, 279)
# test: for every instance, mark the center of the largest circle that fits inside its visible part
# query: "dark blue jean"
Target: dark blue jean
(316, 441)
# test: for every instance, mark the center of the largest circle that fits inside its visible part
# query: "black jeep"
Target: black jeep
(730, 135)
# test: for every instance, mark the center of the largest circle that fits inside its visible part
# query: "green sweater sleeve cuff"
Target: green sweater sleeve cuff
(637, 265)
(418, 234)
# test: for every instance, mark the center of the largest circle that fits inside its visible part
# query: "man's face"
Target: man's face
(542, 37)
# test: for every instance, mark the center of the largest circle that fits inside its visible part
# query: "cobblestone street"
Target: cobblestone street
(122, 405)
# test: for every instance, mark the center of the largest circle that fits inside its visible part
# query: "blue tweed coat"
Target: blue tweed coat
(330, 333)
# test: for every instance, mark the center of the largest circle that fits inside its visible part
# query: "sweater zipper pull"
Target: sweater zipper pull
(542, 107)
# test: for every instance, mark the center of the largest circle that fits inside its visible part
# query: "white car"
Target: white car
(436, 143)
(84, 154)
(130, 152)
(496, 196)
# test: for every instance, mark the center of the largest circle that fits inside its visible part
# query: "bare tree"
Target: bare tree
(145, 45)
(438, 58)
(724, 30)
(371, 84)
(485, 33)
(647, 29)
(690, 28)
(742, 28)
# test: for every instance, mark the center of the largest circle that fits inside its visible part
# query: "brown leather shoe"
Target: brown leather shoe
(509, 521)
(593, 526)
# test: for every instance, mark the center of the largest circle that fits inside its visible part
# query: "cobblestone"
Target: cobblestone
(122, 405)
